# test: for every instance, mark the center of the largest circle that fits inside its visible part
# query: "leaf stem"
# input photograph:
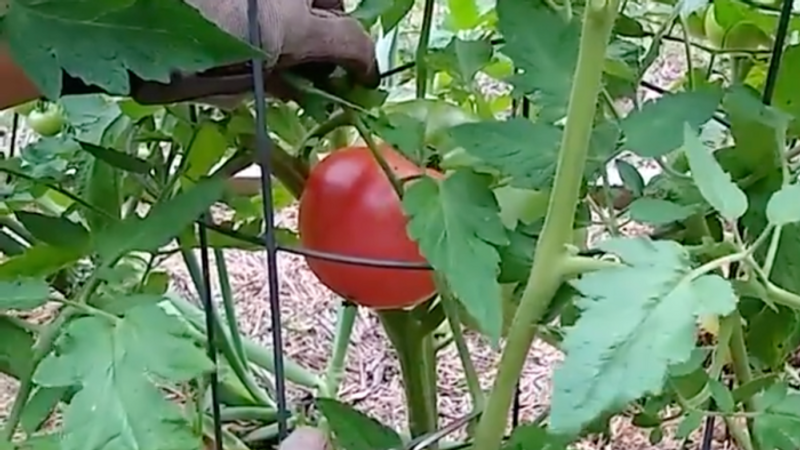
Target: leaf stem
(422, 48)
(451, 311)
(373, 147)
(344, 329)
(238, 365)
(227, 302)
(545, 276)
(741, 366)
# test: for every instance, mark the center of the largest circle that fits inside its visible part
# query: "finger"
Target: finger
(335, 38)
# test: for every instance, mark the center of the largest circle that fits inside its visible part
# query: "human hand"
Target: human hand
(308, 37)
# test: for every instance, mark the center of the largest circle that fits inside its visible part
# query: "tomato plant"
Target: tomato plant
(350, 208)
(680, 308)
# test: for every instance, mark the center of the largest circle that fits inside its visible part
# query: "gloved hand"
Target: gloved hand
(307, 37)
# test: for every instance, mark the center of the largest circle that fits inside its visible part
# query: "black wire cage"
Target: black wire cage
(264, 147)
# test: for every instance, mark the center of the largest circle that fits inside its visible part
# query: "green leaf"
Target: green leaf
(391, 12)
(777, 426)
(23, 294)
(787, 86)
(526, 151)
(658, 127)
(162, 223)
(784, 206)
(722, 396)
(40, 407)
(39, 261)
(462, 59)
(463, 14)
(758, 130)
(533, 437)
(16, 349)
(631, 178)
(658, 212)
(690, 422)
(117, 159)
(96, 118)
(207, 149)
(544, 47)
(654, 303)
(113, 362)
(715, 185)
(56, 231)
(457, 224)
(353, 430)
(122, 34)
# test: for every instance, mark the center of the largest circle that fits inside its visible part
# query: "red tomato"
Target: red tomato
(349, 207)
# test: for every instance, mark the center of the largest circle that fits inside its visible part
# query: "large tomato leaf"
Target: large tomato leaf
(777, 425)
(354, 430)
(112, 361)
(528, 151)
(544, 47)
(458, 227)
(713, 182)
(120, 35)
(40, 260)
(654, 305)
(162, 223)
(657, 128)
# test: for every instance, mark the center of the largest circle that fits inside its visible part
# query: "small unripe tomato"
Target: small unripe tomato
(48, 122)
(350, 208)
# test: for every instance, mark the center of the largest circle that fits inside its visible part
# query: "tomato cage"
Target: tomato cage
(264, 146)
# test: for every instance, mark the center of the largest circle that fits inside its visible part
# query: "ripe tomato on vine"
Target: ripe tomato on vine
(349, 207)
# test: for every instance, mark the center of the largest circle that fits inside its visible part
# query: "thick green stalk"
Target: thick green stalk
(414, 352)
(545, 276)
(344, 329)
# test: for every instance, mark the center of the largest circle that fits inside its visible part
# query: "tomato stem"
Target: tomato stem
(373, 148)
(338, 119)
(344, 329)
(417, 365)
(546, 273)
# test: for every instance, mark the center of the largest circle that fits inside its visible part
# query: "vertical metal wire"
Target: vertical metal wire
(777, 51)
(14, 131)
(264, 151)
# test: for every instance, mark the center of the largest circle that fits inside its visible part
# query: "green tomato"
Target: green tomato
(48, 122)
(25, 108)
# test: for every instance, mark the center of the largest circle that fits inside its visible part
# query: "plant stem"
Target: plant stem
(344, 329)
(422, 49)
(545, 276)
(227, 302)
(471, 375)
(411, 349)
(256, 354)
(741, 366)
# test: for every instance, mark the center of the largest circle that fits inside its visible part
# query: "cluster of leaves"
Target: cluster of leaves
(72, 233)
